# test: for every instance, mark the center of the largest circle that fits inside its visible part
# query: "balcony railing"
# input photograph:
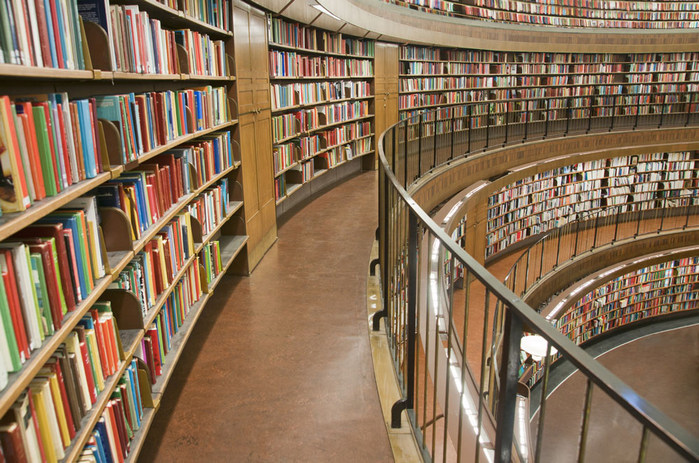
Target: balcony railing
(459, 372)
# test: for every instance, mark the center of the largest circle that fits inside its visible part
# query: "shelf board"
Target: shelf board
(34, 72)
(319, 103)
(140, 437)
(296, 163)
(18, 381)
(234, 207)
(283, 78)
(291, 188)
(178, 17)
(282, 46)
(15, 221)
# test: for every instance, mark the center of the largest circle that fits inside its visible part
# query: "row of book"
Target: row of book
(290, 34)
(47, 143)
(555, 15)
(48, 268)
(41, 33)
(217, 13)
(47, 415)
(286, 64)
(308, 93)
(153, 270)
(211, 206)
(140, 44)
(547, 200)
(293, 124)
(149, 120)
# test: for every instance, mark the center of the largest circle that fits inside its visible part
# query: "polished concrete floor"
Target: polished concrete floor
(278, 368)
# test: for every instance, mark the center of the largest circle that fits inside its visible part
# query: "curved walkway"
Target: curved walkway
(279, 366)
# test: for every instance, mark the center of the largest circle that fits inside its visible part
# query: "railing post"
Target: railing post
(469, 128)
(383, 222)
(616, 225)
(507, 396)
(689, 109)
(405, 153)
(453, 111)
(638, 110)
(526, 120)
(406, 403)
(419, 147)
(487, 128)
(662, 217)
(611, 124)
(589, 115)
(546, 120)
(507, 122)
(568, 113)
(662, 110)
(434, 143)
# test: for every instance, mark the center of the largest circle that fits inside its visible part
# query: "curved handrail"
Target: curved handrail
(400, 219)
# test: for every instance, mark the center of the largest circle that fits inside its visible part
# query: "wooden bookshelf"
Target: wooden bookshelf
(556, 13)
(322, 102)
(228, 230)
(529, 206)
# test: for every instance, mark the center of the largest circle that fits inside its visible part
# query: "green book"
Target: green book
(54, 251)
(15, 363)
(42, 294)
(42, 138)
(8, 54)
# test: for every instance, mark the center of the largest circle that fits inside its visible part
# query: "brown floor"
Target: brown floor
(663, 368)
(279, 365)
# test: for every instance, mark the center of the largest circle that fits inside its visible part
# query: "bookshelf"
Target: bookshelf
(564, 13)
(523, 87)
(322, 103)
(638, 291)
(167, 221)
(533, 205)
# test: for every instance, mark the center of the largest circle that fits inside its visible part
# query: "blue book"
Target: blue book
(138, 179)
(86, 136)
(108, 195)
(77, 42)
(93, 449)
(102, 439)
(62, 26)
(137, 386)
(70, 221)
(109, 108)
(130, 372)
(199, 108)
(151, 122)
(216, 142)
(135, 127)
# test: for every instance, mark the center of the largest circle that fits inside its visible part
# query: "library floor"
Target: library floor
(279, 365)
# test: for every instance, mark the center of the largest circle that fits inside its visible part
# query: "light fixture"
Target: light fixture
(535, 346)
(322, 9)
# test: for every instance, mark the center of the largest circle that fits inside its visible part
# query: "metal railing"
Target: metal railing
(460, 388)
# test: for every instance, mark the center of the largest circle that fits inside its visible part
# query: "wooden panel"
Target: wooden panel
(259, 60)
(263, 154)
(243, 58)
(249, 165)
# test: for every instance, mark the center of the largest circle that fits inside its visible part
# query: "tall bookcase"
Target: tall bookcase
(527, 86)
(322, 87)
(209, 217)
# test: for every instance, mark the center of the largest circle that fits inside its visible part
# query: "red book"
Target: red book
(12, 446)
(101, 344)
(87, 365)
(166, 187)
(157, 359)
(79, 154)
(119, 418)
(152, 199)
(21, 182)
(148, 354)
(52, 280)
(24, 113)
(10, 281)
(56, 31)
(99, 156)
(43, 32)
(64, 145)
(143, 119)
(55, 231)
(53, 365)
(115, 434)
(73, 263)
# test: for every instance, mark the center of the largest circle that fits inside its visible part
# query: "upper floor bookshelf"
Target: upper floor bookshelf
(533, 205)
(568, 13)
(322, 102)
(526, 86)
(122, 208)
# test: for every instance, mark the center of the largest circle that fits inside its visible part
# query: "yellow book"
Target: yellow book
(190, 238)
(40, 390)
(163, 264)
(93, 350)
(57, 404)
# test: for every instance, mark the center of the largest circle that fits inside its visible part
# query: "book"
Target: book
(14, 195)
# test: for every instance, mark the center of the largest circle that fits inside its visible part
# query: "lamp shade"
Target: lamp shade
(535, 345)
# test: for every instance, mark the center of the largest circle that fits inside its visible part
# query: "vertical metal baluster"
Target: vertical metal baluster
(507, 401)
(586, 422)
(689, 107)
(468, 150)
(568, 115)
(526, 120)
(542, 407)
(450, 334)
(487, 126)
(662, 217)
(507, 122)
(419, 147)
(644, 446)
(638, 222)
(436, 377)
(453, 111)
(638, 110)
(526, 272)
(541, 261)
(482, 374)
(616, 223)
(611, 125)
(405, 154)
(418, 315)
(395, 148)
(594, 241)
(577, 228)
(434, 145)
(662, 110)
(558, 248)
(589, 112)
(467, 284)
(546, 119)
